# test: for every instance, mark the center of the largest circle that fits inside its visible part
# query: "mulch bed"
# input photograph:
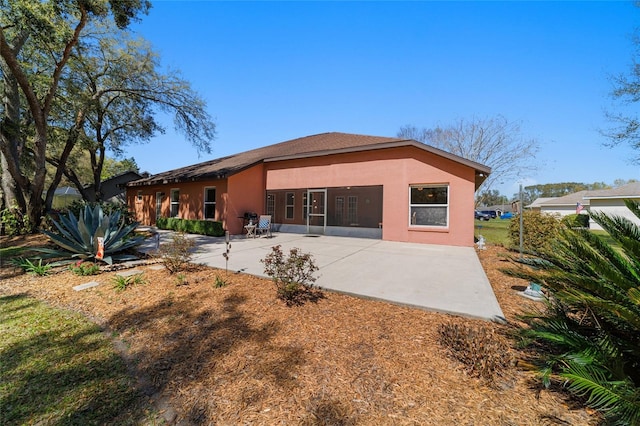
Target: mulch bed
(237, 355)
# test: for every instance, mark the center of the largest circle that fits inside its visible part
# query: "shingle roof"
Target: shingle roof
(308, 146)
(567, 200)
(538, 201)
(628, 190)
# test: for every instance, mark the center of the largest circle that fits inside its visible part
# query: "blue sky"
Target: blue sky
(274, 71)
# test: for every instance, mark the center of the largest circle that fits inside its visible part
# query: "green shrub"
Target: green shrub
(539, 230)
(220, 282)
(576, 221)
(121, 283)
(201, 227)
(484, 352)
(292, 275)
(85, 268)
(32, 268)
(177, 253)
(588, 338)
(14, 222)
(79, 237)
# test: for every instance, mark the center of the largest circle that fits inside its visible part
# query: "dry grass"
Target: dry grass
(237, 355)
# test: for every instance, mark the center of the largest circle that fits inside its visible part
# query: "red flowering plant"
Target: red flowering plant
(85, 268)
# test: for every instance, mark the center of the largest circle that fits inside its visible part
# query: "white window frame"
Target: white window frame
(445, 205)
(289, 207)
(209, 203)
(139, 196)
(176, 203)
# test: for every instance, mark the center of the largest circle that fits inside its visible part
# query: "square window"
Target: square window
(429, 205)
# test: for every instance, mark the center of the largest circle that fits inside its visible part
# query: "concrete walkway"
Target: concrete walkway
(433, 277)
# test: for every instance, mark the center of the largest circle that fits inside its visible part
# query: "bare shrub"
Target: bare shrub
(176, 254)
(292, 275)
(484, 352)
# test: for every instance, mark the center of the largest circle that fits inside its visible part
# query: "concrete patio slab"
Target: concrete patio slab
(434, 277)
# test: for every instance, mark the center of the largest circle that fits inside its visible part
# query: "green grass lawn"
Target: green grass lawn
(494, 231)
(58, 368)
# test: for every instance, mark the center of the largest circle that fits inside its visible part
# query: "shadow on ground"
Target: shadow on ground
(59, 369)
(193, 341)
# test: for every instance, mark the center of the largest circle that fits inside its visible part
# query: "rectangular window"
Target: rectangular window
(271, 205)
(289, 204)
(139, 196)
(305, 206)
(352, 209)
(175, 202)
(429, 205)
(209, 203)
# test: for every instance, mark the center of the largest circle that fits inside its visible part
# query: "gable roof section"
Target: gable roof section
(630, 190)
(538, 201)
(305, 147)
(567, 200)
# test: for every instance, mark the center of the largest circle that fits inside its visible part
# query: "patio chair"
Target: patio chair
(264, 225)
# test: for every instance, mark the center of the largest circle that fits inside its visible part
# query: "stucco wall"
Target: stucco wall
(613, 206)
(191, 200)
(245, 193)
(395, 169)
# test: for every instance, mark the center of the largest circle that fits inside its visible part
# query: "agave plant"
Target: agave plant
(589, 336)
(79, 236)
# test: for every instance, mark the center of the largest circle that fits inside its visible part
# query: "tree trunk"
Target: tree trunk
(11, 143)
(11, 195)
(61, 163)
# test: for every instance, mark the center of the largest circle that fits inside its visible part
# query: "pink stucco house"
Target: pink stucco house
(331, 183)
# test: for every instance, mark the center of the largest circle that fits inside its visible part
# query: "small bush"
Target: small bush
(539, 230)
(292, 275)
(220, 282)
(181, 279)
(177, 253)
(201, 227)
(485, 353)
(14, 222)
(576, 221)
(121, 283)
(85, 268)
(32, 268)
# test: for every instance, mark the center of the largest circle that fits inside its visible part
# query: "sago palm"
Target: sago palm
(589, 335)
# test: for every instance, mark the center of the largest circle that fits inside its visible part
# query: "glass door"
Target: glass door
(316, 208)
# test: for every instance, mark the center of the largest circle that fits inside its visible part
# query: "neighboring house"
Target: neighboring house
(564, 206)
(331, 183)
(64, 196)
(611, 201)
(536, 203)
(114, 188)
(498, 208)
